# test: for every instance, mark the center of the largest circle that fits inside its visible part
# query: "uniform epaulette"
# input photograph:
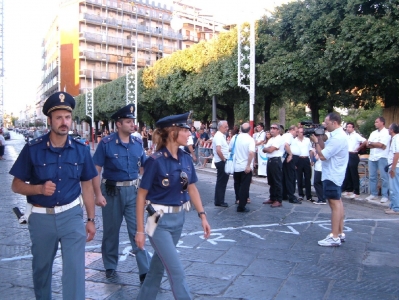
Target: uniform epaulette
(137, 139)
(108, 138)
(35, 141)
(156, 155)
(79, 141)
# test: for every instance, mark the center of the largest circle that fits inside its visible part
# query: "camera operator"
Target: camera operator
(334, 157)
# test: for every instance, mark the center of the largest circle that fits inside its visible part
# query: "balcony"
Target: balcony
(190, 38)
(99, 75)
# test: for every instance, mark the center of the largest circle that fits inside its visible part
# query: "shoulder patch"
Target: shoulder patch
(35, 141)
(137, 139)
(78, 141)
(156, 155)
(108, 138)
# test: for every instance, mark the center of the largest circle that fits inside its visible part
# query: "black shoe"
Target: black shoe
(320, 202)
(142, 277)
(295, 201)
(300, 198)
(244, 210)
(110, 273)
(310, 199)
(222, 205)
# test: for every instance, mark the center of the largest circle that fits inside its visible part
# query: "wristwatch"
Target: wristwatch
(201, 213)
(90, 220)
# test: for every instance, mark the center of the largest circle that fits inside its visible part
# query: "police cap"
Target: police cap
(126, 112)
(176, 120)
(57, 101)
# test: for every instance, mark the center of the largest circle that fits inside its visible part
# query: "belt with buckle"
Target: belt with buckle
(55, 209)
(122, 183)
(167, 209)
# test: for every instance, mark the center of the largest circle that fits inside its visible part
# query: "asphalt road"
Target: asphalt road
(268, 253)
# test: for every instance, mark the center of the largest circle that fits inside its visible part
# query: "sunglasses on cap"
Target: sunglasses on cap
(184, 177)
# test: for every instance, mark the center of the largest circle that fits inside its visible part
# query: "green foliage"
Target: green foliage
(364, 119)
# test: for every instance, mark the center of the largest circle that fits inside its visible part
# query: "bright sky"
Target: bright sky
(26, 23)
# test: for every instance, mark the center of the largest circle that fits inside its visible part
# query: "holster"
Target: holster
(110, 187)
(152, 219)
(23, 218)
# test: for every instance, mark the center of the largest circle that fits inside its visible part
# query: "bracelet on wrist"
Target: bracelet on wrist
(138, 232)
(90, 220)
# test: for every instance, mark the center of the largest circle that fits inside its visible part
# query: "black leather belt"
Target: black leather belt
(278, 157)
(350, 152)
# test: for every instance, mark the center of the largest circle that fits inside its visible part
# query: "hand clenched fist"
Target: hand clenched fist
(48, 188)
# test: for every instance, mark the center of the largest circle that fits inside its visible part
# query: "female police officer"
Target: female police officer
(167, 184)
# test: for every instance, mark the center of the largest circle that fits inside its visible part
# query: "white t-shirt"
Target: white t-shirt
(301, 148)
(394, 148)
(137, 134)
(277, 142)
(382, 137)
(260, 136)
(354, 140)
(220, 140)
(2, 140)
(244, 145)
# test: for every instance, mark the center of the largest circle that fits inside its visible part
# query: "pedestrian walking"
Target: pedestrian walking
(393, 172)
(2, 144)
(58, 170)
(120, 155)
(168, 184)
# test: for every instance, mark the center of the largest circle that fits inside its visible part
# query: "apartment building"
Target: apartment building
(95, 41)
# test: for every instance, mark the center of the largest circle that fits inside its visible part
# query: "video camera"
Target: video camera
(310, 128)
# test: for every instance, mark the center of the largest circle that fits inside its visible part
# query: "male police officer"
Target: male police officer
(54, 165)
(121, 155)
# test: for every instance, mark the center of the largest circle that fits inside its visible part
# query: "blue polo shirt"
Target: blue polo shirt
(120, 161)
(39, 162)
(162, 177)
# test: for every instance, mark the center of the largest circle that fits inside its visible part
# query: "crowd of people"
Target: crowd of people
(124, 181)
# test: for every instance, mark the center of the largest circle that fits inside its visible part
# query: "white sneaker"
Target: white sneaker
(329, 241)
(371, 197)
(341, 236)
(355, 197)
(346, 194)
(384, 199)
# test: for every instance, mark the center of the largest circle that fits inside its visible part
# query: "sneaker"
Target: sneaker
(384, 199)
(329, 241)
(392, 212)
(320, 202)
(346, 194)
(355, 197)
(341, 236)
(371, 197)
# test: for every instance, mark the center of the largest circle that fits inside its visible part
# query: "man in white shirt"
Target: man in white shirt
(259, 138)
(289, 172)
(334, 156)
(378, 143)
(220, 155)
(244, 153)
(275, 150)
(393, 172)
(303, 156)
(350, 187)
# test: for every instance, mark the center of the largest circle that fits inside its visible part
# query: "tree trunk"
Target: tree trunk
(314, 108)
(267, 105)
(281, 116)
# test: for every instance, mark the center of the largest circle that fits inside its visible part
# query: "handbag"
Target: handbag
(229, 166)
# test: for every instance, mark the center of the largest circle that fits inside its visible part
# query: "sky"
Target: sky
(26, 22)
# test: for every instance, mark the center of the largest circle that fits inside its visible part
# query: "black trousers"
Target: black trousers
(275, 178)
(318, 186)
(303, 169)
(221, 182)
(351, 182)
(289, 178)
(242, 182)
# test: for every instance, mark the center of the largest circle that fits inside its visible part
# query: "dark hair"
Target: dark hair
(382, 119)
(350, 123)
(334, 117)
(394, 127)
(261, 125)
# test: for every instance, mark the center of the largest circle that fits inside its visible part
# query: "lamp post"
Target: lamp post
(90, 107)
(246, 64)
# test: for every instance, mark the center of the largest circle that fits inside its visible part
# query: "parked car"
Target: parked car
(76, 136)
(6, 134)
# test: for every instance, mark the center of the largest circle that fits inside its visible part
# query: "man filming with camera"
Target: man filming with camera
(334, 157)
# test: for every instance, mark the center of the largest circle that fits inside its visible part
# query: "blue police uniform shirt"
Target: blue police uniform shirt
(39, 162)
(120, 162)
(162, 177)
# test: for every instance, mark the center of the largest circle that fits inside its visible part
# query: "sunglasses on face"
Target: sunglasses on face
(184, 177)
(273, 127)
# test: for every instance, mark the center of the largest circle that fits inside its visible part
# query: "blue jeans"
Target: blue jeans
(375, 166)
(394, 190)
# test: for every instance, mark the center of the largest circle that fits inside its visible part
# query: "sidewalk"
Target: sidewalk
(263, 181)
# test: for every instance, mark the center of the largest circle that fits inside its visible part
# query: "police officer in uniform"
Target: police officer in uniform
(168, 184)
(49, 171)
(120, 155)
